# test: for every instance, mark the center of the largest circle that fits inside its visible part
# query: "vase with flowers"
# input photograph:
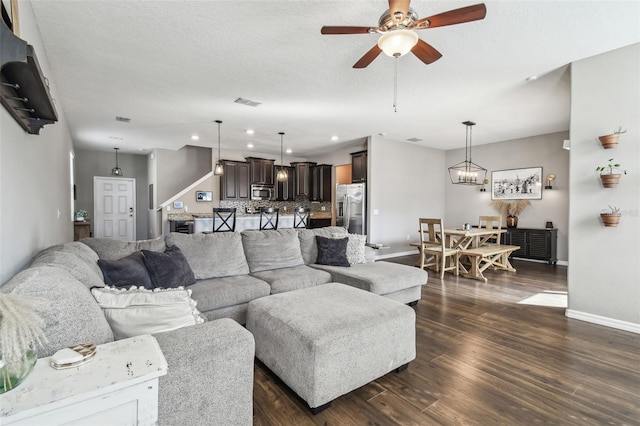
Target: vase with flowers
(21, 329)
(511, 209)
(81, 215)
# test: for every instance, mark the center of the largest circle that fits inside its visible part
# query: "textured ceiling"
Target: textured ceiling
(174, 67)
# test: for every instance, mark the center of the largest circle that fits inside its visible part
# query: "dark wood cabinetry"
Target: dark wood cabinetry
(261, 171)
(302, 185)
(321, 183)
(234, 183)
(538, 244)
(319, 223)
(285, 191)
(359, 166)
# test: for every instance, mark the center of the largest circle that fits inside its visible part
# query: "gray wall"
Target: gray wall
(463, 204)
(405, 182)
(179, 169)
(35, 183)
(99, 163)
(603, 262)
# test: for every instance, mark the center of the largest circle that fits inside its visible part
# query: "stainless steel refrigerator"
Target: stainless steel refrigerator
(351, 207)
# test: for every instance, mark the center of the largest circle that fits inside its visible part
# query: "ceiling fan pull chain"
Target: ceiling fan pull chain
(395, 84)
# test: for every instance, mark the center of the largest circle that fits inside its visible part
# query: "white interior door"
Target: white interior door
(114, 207)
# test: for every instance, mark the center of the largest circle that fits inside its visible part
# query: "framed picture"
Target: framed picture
(517, 184)
(204, 196)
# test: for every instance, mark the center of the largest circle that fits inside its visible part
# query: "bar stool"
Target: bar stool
(224, 220)
(301, 217)
(269, 218)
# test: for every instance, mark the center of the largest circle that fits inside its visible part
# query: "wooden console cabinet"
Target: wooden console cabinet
(538, 244)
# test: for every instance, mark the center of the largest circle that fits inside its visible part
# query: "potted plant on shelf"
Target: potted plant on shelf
(511, 210)
(81, 215)
(611, 217)
(610, 179)
(20, 330)
(611, 141)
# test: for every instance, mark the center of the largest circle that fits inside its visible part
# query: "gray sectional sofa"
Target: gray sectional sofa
(210, 382)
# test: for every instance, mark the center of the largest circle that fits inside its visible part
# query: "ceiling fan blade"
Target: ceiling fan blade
(425, 52)
(347, 30)
(401, 6)
(368, 57)
(452, 17)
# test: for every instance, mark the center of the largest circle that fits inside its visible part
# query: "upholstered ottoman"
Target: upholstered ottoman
(326, 341)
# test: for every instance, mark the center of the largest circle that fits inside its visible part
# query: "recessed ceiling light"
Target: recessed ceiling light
(250, 131)
(382, 134)
(288, 151)
(334, 138)
(195, 137)
(141, 149)
(249, 145)
(116, 138)
(532, 78)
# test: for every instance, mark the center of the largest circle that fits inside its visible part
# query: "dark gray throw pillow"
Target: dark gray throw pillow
(332, 251)
(127, 271)
(169, 269)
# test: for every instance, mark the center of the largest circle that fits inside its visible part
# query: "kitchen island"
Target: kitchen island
(203, 222)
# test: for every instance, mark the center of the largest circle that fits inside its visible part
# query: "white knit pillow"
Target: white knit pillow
(355, 247)
(135, 311)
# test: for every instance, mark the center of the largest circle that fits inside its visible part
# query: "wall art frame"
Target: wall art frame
(517, 184)
(204, 196)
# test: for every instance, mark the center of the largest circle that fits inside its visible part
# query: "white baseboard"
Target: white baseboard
(607, 322)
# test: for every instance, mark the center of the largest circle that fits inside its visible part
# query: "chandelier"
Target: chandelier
(467, 172)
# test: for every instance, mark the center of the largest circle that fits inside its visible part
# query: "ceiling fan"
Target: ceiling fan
(397, 27)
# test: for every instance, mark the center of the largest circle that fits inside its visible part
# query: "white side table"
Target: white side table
(119, 387)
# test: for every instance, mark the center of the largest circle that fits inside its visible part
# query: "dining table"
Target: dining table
(480, 245)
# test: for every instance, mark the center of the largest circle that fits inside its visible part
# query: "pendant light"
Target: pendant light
(282, 175)
(116, 171)
(467, 172)
(218, 170)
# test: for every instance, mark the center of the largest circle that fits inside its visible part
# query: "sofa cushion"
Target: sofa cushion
(169, 269)
(379, 277)
(79, 249)
(217, 293)
(77, 266)
(212, 255)
(125, 272)
(135, 311)
(110, 249)
(307, 238)
(267, 250)
(287, 279)
(332, 251)
(73, 316)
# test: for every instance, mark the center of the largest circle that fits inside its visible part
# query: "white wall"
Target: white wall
(603, 279)
(463, 204)
(35, 196)
(405, 182)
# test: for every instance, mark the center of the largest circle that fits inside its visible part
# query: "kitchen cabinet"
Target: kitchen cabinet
(319, 222)
(285, 191)
(302, 185)
(538, 244)
(261, 171)
(359, 166)
(321, 183)
(234, 183)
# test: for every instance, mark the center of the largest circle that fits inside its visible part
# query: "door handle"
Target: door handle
(130, 209)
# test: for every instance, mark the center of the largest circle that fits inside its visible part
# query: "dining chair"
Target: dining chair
(269, 218)
(490, 222)
(433, 251)
(301, 217)
(224, 220)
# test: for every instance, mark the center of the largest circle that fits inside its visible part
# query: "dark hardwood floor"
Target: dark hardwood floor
(483, 359)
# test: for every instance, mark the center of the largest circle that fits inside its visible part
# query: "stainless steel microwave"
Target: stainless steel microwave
(262, 192)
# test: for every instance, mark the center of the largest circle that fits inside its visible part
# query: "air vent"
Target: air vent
(414, 140)
(123, 119)
(247, 102)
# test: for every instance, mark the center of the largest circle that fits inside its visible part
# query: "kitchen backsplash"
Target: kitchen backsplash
(284, 206)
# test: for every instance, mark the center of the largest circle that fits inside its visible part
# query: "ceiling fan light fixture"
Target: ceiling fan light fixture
(398, 42)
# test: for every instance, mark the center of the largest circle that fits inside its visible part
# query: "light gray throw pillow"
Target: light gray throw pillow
(212, 255)
(266, 250)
